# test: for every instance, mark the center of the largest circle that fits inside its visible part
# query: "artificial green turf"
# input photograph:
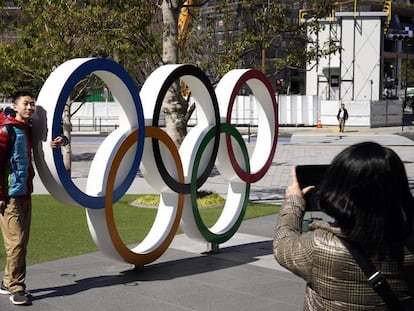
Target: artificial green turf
(60, 231)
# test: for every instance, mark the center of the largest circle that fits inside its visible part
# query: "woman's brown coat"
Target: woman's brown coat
(334, 280)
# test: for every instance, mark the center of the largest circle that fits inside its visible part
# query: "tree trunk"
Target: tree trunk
(170, 11)
(174, 106)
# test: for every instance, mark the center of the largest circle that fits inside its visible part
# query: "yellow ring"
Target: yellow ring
(127, 254)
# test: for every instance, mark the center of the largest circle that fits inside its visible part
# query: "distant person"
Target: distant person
(386, 93)
(16, 175)
(366, 192)
(342, 116)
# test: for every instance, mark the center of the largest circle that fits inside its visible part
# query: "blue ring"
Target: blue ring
(79, 73)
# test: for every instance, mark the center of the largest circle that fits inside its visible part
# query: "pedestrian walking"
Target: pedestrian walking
(342, 116)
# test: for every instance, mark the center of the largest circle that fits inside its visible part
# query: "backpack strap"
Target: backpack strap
(409, 243)
(12, 138)
(378, 282)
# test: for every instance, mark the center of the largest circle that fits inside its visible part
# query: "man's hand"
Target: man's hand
(59, 142)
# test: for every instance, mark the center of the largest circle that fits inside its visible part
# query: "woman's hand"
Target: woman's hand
(294, 187)
(2, 206)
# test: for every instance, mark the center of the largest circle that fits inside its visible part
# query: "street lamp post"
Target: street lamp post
(398, 38)
(265, 9)
(406, 74)
(397, 47)
(406, 81)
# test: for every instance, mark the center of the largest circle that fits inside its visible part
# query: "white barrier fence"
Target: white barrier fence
(294, 110)
(298, 110)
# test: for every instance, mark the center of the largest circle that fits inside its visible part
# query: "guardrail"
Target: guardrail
(98, 124)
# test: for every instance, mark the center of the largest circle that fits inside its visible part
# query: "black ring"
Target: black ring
(185, 70)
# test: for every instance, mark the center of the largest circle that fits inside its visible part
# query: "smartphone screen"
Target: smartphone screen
(311, 175)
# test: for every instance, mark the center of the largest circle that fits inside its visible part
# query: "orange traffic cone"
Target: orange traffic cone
(319, 125)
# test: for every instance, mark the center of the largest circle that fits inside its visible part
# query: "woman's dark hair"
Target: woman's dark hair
(366, 191)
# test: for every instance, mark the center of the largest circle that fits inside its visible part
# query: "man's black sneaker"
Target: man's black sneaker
(20, 298)
(4, 290)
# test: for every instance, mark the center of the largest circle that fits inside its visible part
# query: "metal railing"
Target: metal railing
(98, 124)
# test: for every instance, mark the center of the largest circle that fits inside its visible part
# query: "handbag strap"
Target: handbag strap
(378, 282)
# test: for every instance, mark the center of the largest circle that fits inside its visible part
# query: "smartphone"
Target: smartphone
(311, 175)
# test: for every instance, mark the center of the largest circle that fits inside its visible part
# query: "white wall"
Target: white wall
(298, 110)
(364, 113)
(294, 110)
(386, 113)
(361, 57)
(359, 112)
(358, 64)
(318, 75)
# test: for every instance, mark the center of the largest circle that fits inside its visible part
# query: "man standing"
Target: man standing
(16, 186)
(342, 116)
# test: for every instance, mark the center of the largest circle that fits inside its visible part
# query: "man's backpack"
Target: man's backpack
(10, 130)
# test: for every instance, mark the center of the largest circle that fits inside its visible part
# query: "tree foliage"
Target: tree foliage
(235, 34)
(52, 32)
(142, 35)
(407, 74)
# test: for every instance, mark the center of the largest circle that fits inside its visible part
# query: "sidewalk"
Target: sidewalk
(304, 148)
(242, 276)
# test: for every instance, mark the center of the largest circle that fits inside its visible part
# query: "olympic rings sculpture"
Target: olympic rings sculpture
(139, 143)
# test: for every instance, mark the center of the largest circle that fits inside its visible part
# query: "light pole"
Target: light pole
(263, 35)
(396, 66)
(408, 46)
(406, 81)
(370, 95)
(398, 39)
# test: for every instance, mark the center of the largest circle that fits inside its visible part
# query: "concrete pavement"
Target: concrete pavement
(242, 276)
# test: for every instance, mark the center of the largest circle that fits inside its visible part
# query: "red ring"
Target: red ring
(255, 176)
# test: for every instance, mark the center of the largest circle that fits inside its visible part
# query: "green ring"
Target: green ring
(205, 232)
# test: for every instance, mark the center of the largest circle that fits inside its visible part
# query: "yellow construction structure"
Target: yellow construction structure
(183, 23)
(339, 6)
(387, 9)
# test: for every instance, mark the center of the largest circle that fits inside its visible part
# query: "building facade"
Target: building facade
(369, 74)
(8, 15)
